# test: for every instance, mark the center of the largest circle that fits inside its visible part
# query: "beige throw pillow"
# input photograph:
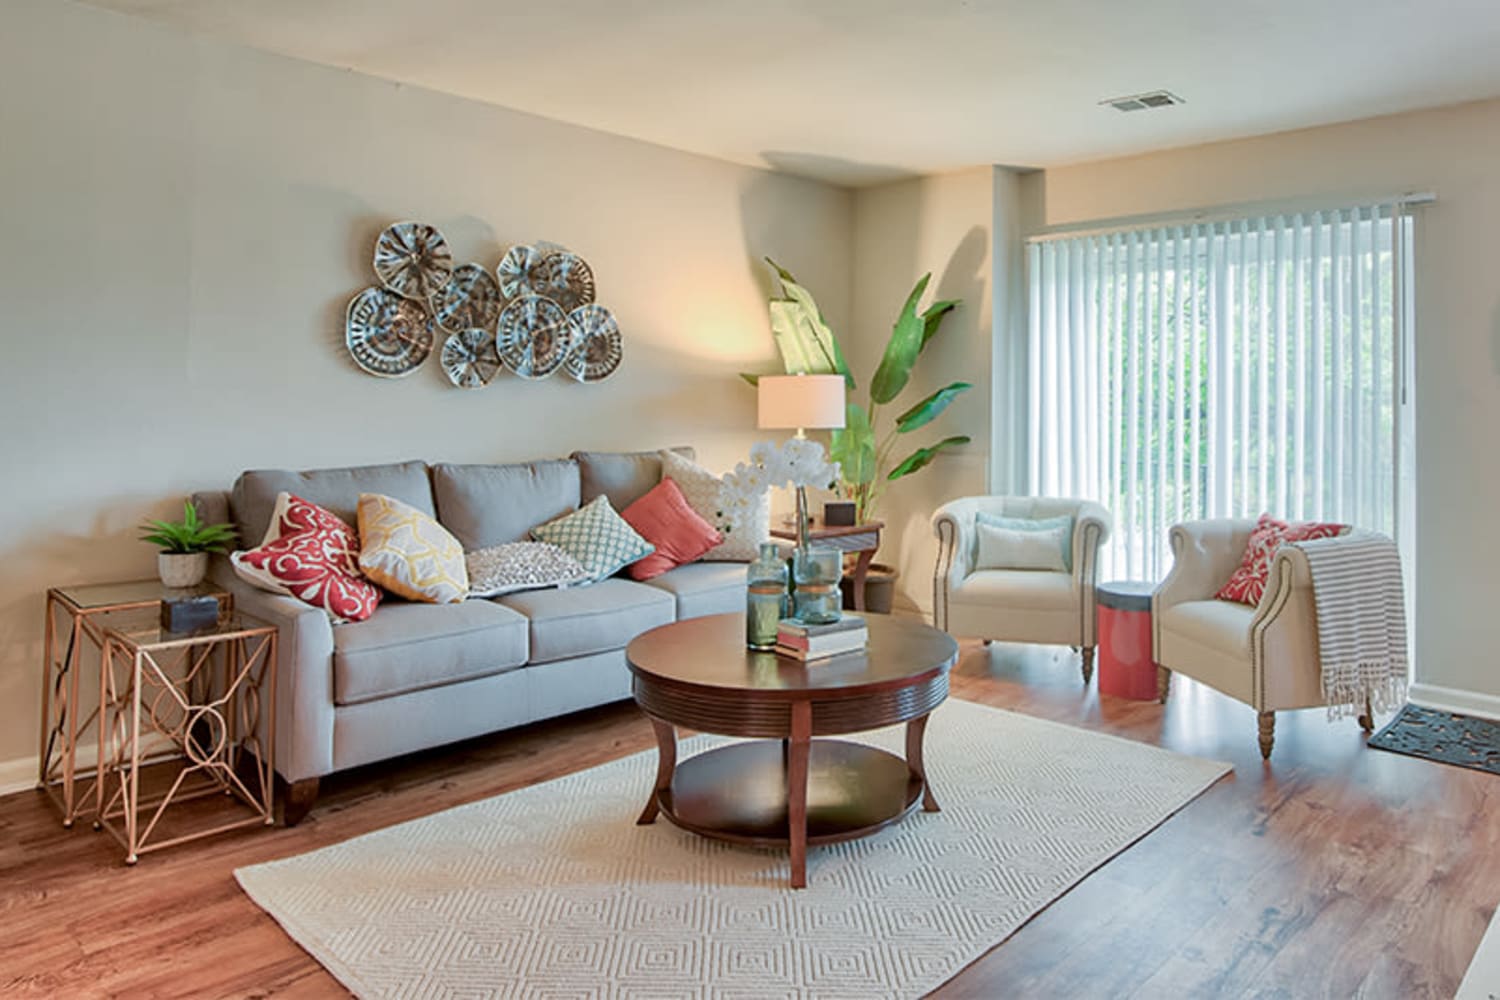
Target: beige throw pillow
(701, 490)
(1008, 548)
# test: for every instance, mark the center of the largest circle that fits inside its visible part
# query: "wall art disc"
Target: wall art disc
(386, 334)
(598, 347)
(520, 272)
(534, 336)
(469, 358)
(471, 298)
(412, 260)
(569, 279)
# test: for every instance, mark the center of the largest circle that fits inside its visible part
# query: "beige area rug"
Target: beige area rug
(553, 891)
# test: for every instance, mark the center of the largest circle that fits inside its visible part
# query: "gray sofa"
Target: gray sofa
(415, 676)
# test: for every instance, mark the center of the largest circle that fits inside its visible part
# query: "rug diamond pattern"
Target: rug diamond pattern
(553, 891)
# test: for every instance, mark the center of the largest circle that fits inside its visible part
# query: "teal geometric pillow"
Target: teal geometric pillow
(1037, 524)
(597, 537)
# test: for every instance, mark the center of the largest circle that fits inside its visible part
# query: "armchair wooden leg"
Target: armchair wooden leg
(1088, 664)
(1367, 720)
(1267, 733)
(1163, 683)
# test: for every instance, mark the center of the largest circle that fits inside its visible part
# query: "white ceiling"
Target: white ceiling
(856, 91)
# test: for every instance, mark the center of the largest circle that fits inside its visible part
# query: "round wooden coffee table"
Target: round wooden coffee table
(788, 788)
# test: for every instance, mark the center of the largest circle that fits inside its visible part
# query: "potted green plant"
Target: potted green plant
(866, 453)
(185, 545)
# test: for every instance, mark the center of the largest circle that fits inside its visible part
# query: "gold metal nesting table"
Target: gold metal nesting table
(197, 694)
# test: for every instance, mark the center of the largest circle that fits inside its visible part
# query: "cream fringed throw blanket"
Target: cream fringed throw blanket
(1361, 605)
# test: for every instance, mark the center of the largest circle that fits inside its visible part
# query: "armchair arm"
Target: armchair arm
(1090, 531)
(953, 523)
(304, 674)
(1204, 555)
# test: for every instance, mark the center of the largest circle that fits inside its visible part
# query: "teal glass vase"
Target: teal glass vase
(765, 598)
(816, 573)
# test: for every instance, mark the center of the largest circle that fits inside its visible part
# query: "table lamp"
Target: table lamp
(800, 402)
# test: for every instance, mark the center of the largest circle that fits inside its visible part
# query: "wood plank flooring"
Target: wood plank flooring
(1337, 871)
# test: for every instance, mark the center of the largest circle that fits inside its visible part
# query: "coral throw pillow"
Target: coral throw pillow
(311, 555)
(1248, 583)
(409, 553)
(597, 537)
(663, 518)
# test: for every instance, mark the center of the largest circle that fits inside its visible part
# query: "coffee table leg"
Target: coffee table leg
(666, 763)
(796, 789)
(915, 730)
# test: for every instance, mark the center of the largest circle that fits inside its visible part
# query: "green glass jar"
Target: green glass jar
(817, 572)
(765, 598)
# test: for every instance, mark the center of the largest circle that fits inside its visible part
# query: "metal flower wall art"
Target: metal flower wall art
(534, 315)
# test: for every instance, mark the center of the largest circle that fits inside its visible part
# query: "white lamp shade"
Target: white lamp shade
(800, 401)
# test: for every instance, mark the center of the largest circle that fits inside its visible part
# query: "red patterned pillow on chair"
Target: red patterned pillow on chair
(312, 555)
(1248, 583)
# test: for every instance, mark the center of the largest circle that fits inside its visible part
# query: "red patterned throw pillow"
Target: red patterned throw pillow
(1248, 583)
(312, 555)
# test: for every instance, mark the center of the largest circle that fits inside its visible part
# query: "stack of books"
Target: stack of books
(815, 642)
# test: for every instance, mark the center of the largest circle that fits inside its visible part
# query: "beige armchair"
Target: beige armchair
(1265, 656)
(1018, 605)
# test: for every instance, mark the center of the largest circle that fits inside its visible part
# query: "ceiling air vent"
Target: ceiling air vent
(1140, 102)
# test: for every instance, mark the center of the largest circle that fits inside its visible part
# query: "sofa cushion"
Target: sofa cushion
(623, 476)
(408, 647)
(1037, 590)
(489, 505)
(704, 588)
(336, 490)
(594, 619)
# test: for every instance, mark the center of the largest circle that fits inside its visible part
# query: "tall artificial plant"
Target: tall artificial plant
(864, 452)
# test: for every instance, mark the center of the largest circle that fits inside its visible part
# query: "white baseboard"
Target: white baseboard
(17, 775)
(1454, 700)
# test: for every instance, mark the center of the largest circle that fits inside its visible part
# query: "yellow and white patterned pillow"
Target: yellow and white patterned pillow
(409, 553)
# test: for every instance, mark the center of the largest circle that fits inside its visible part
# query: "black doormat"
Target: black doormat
(1442, 736)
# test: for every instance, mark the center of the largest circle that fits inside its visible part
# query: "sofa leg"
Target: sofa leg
(298, 800)
(1163, 684)
(1088, 665)
(1267, 733)
(1367, 721)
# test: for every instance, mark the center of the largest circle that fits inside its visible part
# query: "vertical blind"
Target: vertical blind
(1221, 370)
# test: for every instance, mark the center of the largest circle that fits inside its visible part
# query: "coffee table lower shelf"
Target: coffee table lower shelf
(738, 792)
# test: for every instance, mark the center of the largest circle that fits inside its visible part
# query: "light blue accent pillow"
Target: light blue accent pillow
(1064, 521)
(597, 537)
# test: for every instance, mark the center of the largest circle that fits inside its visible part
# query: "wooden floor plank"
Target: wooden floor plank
(1333, 871)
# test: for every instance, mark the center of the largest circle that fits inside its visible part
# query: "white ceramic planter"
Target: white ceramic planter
(181, 569)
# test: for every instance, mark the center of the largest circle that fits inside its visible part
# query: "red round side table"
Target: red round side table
(1126, 669)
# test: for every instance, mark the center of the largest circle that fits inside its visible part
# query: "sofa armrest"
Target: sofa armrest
(304, 674)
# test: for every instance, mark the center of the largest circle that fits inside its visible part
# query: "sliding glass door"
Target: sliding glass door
(1222, 370)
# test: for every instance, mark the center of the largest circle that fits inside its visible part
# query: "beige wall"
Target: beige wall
(941, 224)
(185, 222)
(1454, 152)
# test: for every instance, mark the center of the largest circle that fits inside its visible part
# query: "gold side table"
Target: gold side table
(201, 693)
(72, 614)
